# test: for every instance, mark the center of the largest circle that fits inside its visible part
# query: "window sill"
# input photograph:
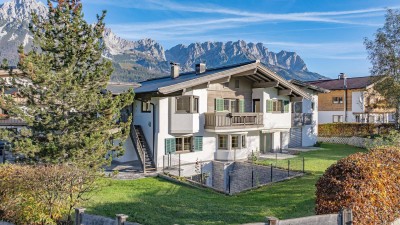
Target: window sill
(183, 152)
(186, 113)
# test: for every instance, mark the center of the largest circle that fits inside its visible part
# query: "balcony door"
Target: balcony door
(256, 105)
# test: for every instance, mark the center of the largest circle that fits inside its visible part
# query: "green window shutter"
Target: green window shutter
(198, 144)
(286, 106)
(170, 145)
(219, 104)
(269, 105)
(241, 105)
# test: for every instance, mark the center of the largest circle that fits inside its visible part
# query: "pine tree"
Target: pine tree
(70, 116)
(4, 64)
(384, 54)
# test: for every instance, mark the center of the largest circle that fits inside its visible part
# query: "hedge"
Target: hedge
(353, 129)
(368, 183)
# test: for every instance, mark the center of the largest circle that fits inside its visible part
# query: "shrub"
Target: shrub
(353, 129)
(390, 139)
(368, 183)
(42, 194)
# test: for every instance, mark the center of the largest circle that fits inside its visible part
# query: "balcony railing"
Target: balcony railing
(225, 120)
(301, 119)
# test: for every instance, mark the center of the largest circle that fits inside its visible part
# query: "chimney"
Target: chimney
(200, 68)
(174, 70)
(343, 77)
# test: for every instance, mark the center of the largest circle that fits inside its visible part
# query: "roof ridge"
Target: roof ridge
(207, 70)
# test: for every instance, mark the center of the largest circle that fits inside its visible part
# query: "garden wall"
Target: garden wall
(353, 141)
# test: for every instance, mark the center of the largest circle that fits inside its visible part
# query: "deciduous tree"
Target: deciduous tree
(384, 54)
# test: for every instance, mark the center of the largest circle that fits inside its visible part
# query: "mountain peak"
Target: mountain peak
(21, 10)
(218, 53)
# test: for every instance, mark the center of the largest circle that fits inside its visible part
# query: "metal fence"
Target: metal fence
(233, 177)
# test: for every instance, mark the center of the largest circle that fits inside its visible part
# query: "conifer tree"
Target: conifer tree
(70, 116)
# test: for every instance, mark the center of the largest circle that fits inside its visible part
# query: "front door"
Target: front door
(266, 142)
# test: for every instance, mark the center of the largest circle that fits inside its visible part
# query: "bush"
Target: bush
(353, 129)
(368, 183)
(391, 139)
(42, 194)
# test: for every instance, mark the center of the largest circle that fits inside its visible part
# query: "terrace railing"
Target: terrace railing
(226, 120)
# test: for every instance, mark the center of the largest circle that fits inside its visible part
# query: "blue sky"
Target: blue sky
(327, 34)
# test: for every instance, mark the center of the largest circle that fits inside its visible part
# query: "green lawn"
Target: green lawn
(156, 201)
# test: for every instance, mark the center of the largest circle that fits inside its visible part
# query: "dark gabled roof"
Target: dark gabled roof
(308, 86)
(154, 84)
(338, 84)
(253, 70)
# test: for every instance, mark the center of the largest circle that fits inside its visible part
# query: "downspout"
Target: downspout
(154, 129)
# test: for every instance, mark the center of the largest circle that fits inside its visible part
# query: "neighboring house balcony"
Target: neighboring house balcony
(301, 119)
(228, 120)
(8, 121)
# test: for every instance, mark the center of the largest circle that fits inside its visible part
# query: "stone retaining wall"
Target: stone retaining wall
(353, 141)
(88, 219)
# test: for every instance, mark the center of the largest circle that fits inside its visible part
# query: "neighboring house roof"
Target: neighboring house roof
(117, 88)
(309, 86)
(253, 70)
(352, 83)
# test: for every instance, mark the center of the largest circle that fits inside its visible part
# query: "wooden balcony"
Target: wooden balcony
(301, 119)
(226, 120)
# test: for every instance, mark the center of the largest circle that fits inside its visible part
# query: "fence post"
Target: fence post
(3, 154)
(271, 172)
(269, 220)
(303, 165)
(346, 216)
(288, 168)
(79, 215)
(121, 219)
(179, 167)
(252, 176)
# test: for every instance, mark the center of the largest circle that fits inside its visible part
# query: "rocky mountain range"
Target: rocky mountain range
(143, 59)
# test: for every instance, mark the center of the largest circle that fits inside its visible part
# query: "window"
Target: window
(337, 100)
(183, 104)
(229, 105)
(244, 142)
(187, 104)
(146, 107)
(234, 141)
(195, 105)
(277, 106)
(313, 106)
(222, 141)
(183, 144)
(337, 118)
(297, 107)
(237, 83)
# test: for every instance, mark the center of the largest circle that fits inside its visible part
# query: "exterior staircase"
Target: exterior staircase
(142, 149)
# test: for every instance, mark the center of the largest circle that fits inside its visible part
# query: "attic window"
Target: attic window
(237, 83)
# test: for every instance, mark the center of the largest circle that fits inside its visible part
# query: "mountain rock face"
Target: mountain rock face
(143, 59)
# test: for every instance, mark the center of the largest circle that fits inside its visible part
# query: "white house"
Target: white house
(220, 114)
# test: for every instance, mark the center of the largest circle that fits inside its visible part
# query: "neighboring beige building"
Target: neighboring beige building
(352, 100)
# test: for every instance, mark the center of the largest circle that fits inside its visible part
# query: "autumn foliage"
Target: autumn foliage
(368, 183)
(42, 194)
(353, 129)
